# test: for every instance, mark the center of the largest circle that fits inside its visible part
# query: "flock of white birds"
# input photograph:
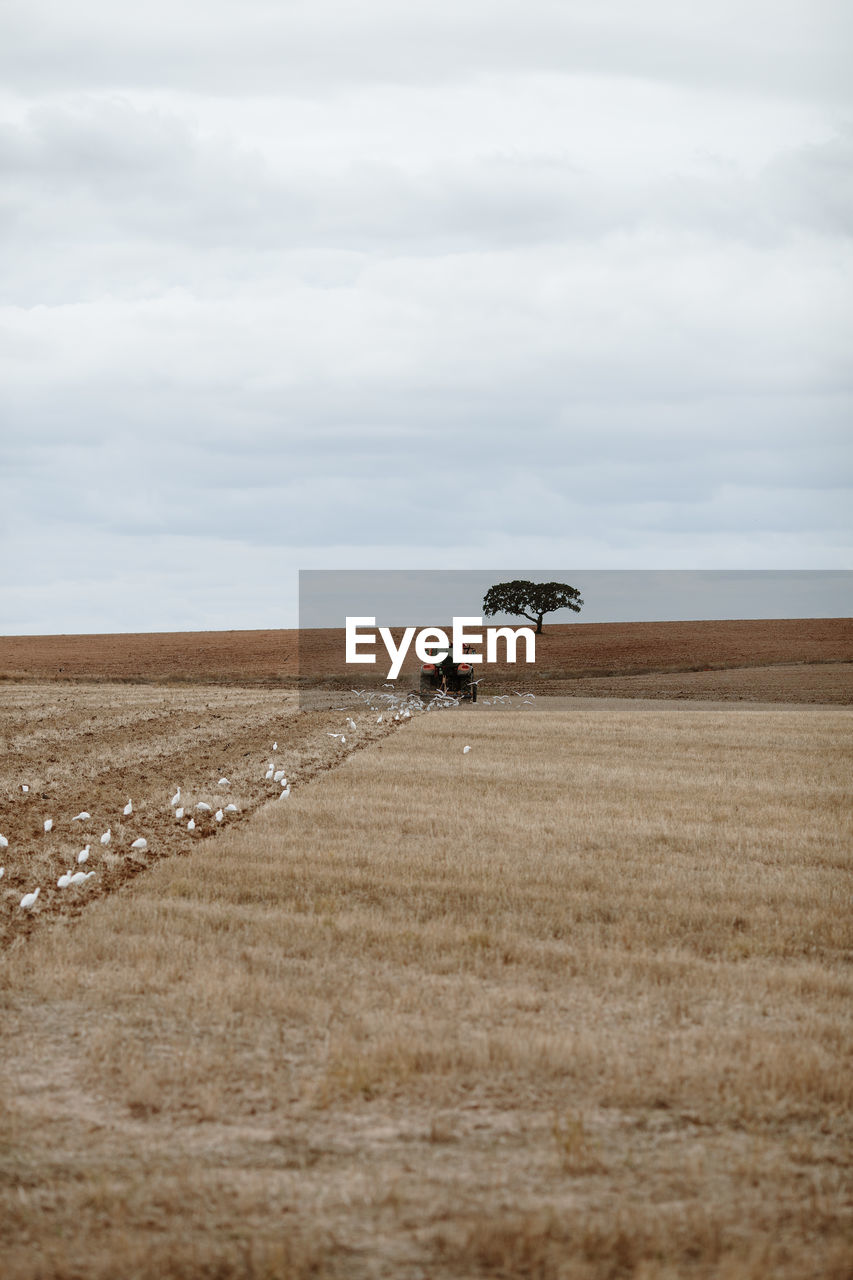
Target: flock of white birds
(393, 708)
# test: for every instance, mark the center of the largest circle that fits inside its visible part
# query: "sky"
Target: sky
(304, 285)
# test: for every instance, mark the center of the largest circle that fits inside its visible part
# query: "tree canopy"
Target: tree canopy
(531, 600)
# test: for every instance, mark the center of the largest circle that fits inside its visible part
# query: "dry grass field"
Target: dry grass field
(576, 1003)
(596, 653)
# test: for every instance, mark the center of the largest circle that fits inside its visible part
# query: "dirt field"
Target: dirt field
(576, 1003)
(83, 748)
(573, 651)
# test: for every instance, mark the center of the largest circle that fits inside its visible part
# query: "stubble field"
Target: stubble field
(576, 1003)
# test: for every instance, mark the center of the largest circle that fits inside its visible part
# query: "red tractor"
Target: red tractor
(444, 676)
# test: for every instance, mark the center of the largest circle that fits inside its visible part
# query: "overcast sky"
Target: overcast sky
(307, 284)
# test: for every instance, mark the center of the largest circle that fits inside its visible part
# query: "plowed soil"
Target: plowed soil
(592, 652)
(91, 749)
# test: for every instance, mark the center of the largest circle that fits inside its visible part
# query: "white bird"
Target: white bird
(4, 843)
(269, 775)
(201, 805)
(64, 881)
(378, 719)
(24, 788)
(179, 813)
(339, 736)
(275, 746)
(80, 877)
(107, 836)
(83, 856)
(219, 815)
(191, 825)
(283, 781)
(48, 824)
(285, 793)
(141, 843)
(128, 809)
(176, 798)
(2, 872)
(29, 899)
(278, 775)
(223, 782)
(81, 817)
(465, 750)
(231, 808)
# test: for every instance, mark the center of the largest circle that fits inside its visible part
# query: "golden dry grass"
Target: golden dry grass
(575, 1004)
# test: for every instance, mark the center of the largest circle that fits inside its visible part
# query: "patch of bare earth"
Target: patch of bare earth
(576, 651)
(91, 748)
(576, 1003)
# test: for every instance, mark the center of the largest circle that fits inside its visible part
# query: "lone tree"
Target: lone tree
(531, 600)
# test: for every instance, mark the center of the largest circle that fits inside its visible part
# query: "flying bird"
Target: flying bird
(29, 899)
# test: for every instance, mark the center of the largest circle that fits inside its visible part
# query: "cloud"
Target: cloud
(562, 284)
(319, 46)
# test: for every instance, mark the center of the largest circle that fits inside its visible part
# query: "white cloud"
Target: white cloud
(540, 284)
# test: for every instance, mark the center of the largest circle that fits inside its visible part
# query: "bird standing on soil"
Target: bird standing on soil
(128, 809)
(83, 856)
(29, 899)
(107, 836)
(80, 877)
(141, 843)
(81, 817)
(176, 798)
(48, 824)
